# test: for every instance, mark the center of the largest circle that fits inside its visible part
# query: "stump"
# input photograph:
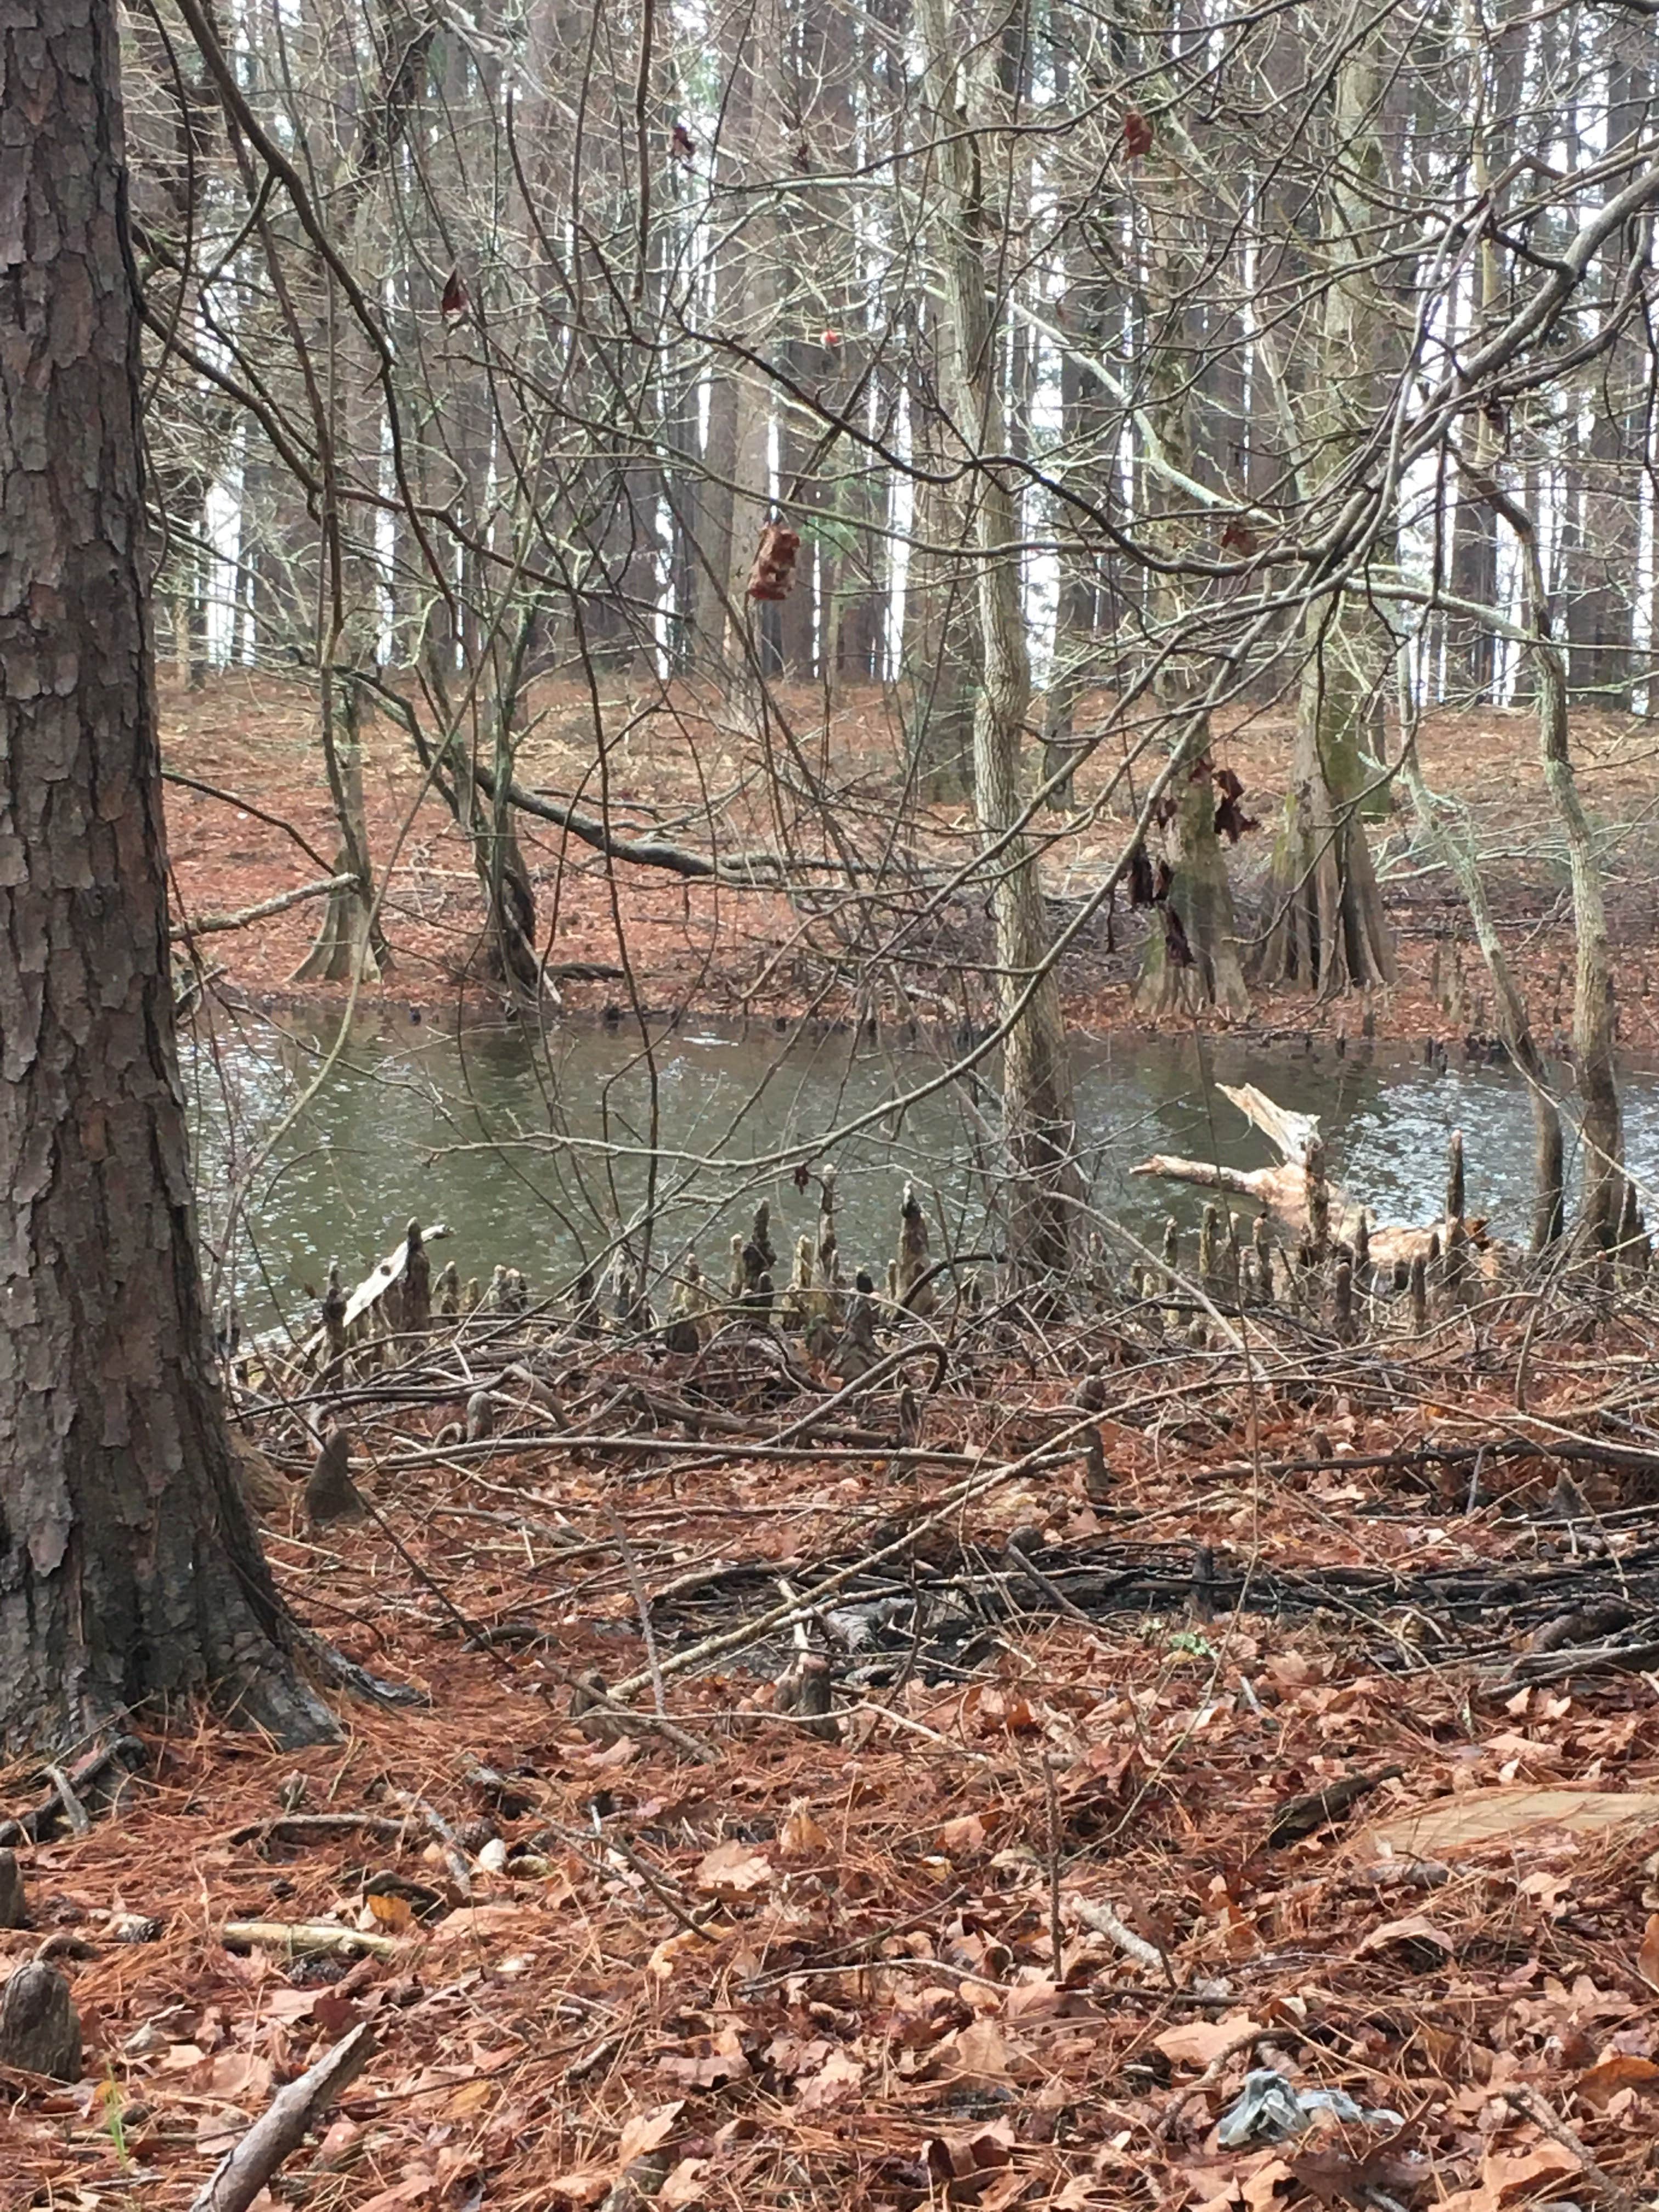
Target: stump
(40, 2027)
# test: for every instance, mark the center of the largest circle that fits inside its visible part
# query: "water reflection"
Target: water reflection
(533, 1149)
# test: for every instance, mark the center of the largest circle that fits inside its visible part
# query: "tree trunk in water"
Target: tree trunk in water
(1200, 899)
(1192, 959)
(129, 1568)
(1327, 930)
(1039, 1133)
(1513, 1024)
(349, 946)
(1593, 1011)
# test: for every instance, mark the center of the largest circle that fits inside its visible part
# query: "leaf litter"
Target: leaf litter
(787, 1966)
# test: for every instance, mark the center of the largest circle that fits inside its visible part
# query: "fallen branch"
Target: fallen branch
(246, 2168)
(207, 925)
(1528, 2103)
(785, 1616)
(294, 1936)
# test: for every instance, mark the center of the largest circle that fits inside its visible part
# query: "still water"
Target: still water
(533, 1149)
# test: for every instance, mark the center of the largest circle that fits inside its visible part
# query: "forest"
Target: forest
(829, 1333)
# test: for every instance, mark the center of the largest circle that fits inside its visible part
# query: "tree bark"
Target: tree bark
(1038, 1130)
(1328, 931)
(1514, 1025)
(129, 1568)
(1601, 1128)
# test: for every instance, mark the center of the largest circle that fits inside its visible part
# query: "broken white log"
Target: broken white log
(1282, 1189)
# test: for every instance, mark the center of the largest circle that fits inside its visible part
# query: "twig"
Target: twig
(454, 1857)
(781, 1616)
(1219, 2065)
(1056, 1943)
(74, 1811)
(246, 2168)
(1105, 1922)
(205, 925)
(1529, 2102)
(642, 1607)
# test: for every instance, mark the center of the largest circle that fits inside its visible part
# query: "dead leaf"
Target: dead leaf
(236, 2075)
(493, 1926)
(800, 1837)
(645, 2131)
(836, 2082)
(1259, 2187)
(957, 2158)
(734, 1871)
(1505, 2175)
(586, 2187)
(393, 1913)
(958, 1838)
(472, 2097)
(1621, 2071)
(684, 2185)
(1197, 2042)
(1419, 1942)
(981, 2053)
(714, 2061)
(1647, 1958)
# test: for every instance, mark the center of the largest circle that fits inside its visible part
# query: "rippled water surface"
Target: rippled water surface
(533, 1150)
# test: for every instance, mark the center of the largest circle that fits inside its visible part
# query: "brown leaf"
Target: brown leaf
(1197, 2041)
(734, 1870)
(1483, 1816)
(645, 2131)
(1418, 1941)
(714, 2061)
(800, 1837)
(684, 2184)
(1336, 2177)
(393, 1913)
(1622, 2071)
(967, 1834)
(1505, 2175)
(836, 2082)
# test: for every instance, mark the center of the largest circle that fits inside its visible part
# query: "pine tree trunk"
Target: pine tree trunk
(129, 1568)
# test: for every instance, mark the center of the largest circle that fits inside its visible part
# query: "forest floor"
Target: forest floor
(718, 951)
(1058, 1877)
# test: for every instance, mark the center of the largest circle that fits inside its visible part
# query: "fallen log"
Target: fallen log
(1285, 1189)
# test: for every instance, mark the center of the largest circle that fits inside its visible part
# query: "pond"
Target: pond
(533, 1149)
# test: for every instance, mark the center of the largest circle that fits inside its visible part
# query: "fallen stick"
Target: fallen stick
(454, 1857)
(784, 1616)
(1105, 1922)
(303, 1935)
(246, 2168)
(1532, 2107)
